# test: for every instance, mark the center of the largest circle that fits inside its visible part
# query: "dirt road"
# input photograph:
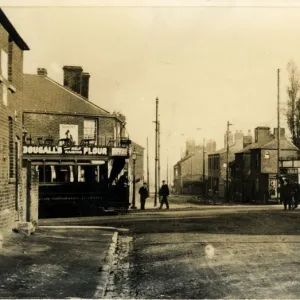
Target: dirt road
(206, 252)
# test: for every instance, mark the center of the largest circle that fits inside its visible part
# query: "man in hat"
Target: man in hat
(144, 194)
(164, 193)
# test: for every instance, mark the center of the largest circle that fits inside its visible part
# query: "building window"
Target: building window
(4, 94)
(10, 54)
(267, 155)
(11, 156)
(90, 129)
(4, 64)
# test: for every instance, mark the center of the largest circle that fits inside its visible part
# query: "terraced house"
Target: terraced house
(13, 205)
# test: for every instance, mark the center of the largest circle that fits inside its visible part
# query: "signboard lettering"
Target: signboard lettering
(62, 150)
(119, 151)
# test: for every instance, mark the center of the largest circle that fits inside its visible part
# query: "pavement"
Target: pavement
(57, 262)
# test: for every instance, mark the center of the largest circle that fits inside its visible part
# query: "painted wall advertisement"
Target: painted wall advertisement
(69, 131)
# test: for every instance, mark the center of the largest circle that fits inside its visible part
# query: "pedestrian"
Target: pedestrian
(164, 193)
(286, 194)
(144, 194)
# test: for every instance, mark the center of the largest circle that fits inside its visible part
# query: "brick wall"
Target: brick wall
(11, 190)
(269, 159)
(43, 125)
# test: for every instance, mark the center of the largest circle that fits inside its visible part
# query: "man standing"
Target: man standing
(286, 193)
(144, 194)
(164, 193)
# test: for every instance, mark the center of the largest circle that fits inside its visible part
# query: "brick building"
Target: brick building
(217, 161)
(188, 172)
(13, 206)
(68, 138)
(254, 172)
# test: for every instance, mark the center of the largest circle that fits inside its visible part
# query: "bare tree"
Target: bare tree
(293, 104)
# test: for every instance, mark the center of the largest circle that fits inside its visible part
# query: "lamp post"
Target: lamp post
(134, 157)
(227, 161)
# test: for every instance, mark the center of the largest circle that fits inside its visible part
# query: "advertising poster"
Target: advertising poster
(273, 187)
(69, 131)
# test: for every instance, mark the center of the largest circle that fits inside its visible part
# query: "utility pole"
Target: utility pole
(227, 162)
(148, 178)
(156, 152)
(167, 170)
(278, 125)
(203, 165)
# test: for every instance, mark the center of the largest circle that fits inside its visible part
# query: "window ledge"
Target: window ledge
(12, 88)
(11, 180)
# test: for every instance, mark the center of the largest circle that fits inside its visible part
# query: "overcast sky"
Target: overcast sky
(207, 65)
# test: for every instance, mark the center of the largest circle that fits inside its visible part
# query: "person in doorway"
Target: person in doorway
(164, 193)
(144, 194)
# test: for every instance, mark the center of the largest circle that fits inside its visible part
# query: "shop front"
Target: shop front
(78, 177)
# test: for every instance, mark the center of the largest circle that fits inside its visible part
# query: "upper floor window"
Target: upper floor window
(90, 129)
(4, 64)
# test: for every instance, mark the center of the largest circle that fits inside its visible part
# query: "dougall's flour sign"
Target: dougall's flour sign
(59, 150)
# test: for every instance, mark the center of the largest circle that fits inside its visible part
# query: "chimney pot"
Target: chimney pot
(42, 72)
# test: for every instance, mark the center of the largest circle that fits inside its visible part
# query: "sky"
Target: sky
(207, 64)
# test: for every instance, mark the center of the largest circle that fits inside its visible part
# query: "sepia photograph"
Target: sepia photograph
(149, 149)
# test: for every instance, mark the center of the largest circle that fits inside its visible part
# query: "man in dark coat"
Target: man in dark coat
(144, 194)
(164, 193)
(286, 192)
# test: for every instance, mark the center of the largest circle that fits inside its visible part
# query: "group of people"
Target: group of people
(289, 194)
(163, 195)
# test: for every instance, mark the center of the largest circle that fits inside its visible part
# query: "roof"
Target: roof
(12, 31)
(42, 94)
(271, 145)
(134, 144)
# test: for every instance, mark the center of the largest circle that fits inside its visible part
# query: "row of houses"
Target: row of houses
(200, 168)
(252, 170)
(37, 112)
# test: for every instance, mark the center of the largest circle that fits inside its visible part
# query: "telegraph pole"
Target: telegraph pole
(167, 170)
(148, 178)
(227, 161)
(203, 165)
(278, 125)
(156, 152)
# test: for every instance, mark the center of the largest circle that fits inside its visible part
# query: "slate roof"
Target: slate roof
(42, 94)
(270, 145)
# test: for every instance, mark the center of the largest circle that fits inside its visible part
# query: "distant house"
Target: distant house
(192, 169)
(256, 166)
(217, 161)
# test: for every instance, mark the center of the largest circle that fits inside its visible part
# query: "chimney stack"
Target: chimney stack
(72, 78)
(85, 77)
(42, 72)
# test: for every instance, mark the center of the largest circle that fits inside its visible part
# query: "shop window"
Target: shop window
(90, 130)
(63, 174)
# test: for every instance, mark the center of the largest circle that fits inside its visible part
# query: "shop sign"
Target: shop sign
(31, 150)
(119, 151)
